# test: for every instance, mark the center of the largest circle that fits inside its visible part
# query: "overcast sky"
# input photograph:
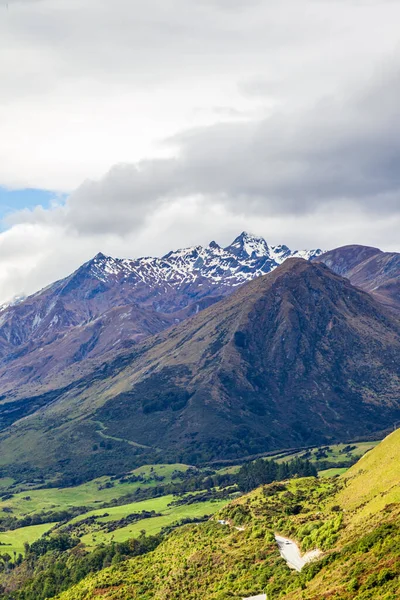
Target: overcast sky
(133, 127)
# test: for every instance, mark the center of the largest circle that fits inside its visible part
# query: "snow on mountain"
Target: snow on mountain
(248, 256)
(15, 300)
(156, 291)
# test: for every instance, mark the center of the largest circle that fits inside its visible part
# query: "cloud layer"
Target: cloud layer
(281, 118)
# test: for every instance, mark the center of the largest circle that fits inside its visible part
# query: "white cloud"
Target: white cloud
(281, 118)
(91, 83)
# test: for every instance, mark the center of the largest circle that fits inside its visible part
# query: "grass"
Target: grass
(353, 519)
(373, 483)
(151, 526)
(90, 534)
(93, 493)
(209, 560)
(87, 494)
(119, 512)
(5, 484)
(334, 453)
(332, 472)
(14, 540)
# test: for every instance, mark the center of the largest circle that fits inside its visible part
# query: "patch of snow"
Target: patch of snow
(36, 321)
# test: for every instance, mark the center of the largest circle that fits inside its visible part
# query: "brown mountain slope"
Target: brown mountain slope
(108, 304)
(368, 268)
(295, 358)
(292, 358)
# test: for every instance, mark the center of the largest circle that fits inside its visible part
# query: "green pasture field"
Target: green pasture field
(119, 512)
(332, 472)
(335, 452)
(151, 526)
(33, 501)
(87, 494)
(14, 540)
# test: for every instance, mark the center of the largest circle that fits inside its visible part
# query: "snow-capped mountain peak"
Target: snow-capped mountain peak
(248, 244)
(248, 256)
(187, 279)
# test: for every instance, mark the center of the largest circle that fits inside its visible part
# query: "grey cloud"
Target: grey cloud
(10, 2)
(345, 149)
(88, 66)
(150, 42)
(261, 87)
(340, 153)
(232, 4)
(123, 199)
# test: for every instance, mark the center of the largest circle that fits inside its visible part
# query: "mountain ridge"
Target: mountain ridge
(108, 304)
(368, 268)
(297, 357)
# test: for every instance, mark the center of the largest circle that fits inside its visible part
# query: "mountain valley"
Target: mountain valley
(135, 395)
(295, 358)
(349, 523)
(360, 556)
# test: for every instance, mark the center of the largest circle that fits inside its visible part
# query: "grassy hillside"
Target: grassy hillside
(90, 494)
(360, 561)
(14, 541)
(166, 514)
(374, 481)
(368, 562)
(53, 508)
(115, 509)
(213, 560)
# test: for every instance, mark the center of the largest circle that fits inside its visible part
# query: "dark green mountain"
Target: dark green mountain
(295, 358)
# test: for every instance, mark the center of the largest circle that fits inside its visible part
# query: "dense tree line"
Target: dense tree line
(250, 476)
(192, 481)
(57, 561)
(206, 496)
(108, 526)
(260, 472)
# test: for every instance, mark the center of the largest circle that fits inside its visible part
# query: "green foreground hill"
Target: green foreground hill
(353, 520)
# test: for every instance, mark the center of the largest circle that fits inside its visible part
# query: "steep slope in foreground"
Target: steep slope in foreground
(295, 358)
(374, 482)
(221, 562)
(366, 564)
(368, 268)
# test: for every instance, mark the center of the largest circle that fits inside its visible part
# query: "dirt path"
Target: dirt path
(102, 429)
(290, 551)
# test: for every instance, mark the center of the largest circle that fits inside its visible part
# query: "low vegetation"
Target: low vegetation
(162, 513)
